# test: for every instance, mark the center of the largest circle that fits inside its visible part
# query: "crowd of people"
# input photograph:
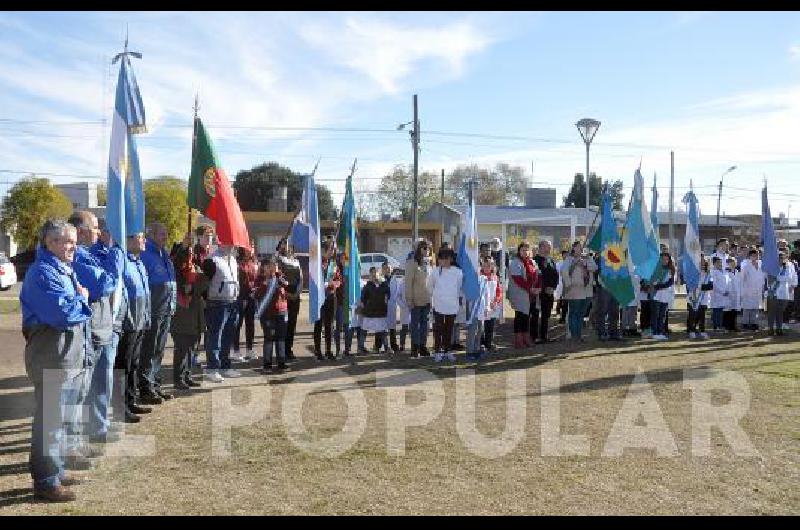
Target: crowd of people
(97, 316)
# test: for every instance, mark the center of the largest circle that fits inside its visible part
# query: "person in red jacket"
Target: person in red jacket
(272, 310)
(248, 270)
(523, 292)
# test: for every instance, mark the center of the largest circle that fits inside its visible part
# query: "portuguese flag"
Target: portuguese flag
(210, 192)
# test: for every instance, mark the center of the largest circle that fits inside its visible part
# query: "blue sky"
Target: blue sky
(718, 88)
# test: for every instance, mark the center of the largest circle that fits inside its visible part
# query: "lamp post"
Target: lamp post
(719, 200)
(588, 128)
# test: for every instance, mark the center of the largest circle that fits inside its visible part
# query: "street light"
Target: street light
(588, 128)
(719, 200)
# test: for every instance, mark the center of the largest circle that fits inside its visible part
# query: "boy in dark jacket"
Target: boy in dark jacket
(272, 311)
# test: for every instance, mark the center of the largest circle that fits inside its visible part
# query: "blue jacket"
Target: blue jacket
(158, 264)
(112, 259)
(49, 295)
(92, 275)
(138, 291)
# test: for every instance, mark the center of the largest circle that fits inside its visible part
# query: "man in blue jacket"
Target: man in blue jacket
(102, 281)
(163, 300)
(55, 312)
(135, 321)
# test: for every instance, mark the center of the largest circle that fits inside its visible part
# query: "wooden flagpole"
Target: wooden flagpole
(194, 148)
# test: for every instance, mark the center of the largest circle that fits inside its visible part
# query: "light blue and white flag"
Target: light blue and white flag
(125, 199)
(654, 215)
(309, 216)
(467, 257)
(690, 259)
(770, 263)
(642, 241)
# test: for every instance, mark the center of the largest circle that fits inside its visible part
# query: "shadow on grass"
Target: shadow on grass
(17, 496)
(17, 468)
(17, 405)
(18, 381)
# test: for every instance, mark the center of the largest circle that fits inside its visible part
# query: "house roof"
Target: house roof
(496, 214)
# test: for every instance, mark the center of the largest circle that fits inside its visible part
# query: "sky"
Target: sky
(717, 88)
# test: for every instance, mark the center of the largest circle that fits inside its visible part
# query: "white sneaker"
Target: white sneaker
(214, 376)
(704, 335)
(236, 357)
(251, 354)
(230, 372)
(660, 337)
(786, 327)
(451, 356)
(437, 357)
(692, 335)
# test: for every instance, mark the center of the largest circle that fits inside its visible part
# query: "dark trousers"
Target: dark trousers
(154, 341)
(606, 313)
(561, 310)
(393, 337)
(443, 334)
(326, 321)
(729, 320)
(274, 328)
(182, 357)
(540, 317)
(646, 315)
(293, 308)
(127, 359)
(247, 313)
(521, 322)
(488, 333)
(659, 318)
(696, 319)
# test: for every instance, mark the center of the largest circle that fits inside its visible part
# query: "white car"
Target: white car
(8, 273)
(376, 259)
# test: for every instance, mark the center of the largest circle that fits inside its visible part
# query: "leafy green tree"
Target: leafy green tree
(395, 194)
(30, 202)
(576, 198)
(255, 187)
(165, 202)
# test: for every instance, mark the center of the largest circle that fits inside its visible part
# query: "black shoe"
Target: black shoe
(267, 367)
(290, 356)
(105, 438)
(347, 354)
(77, 463)
(150, 399)
(282, 366)
(137, 409)
(457, 347)
(181, 386)
(55, 494)
(423, 351)
(330, 356)
(192, 383)
(164, 395)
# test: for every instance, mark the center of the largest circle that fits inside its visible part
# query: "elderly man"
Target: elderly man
(222, 311)
(135, 321)
(55, 313)
(540, 315)
(101, 285)
(163, 296)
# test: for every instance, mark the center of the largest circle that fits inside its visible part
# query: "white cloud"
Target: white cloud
(387, 53)
(794, 51)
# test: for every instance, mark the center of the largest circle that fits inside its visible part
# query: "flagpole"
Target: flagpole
(339, 224)
(194, 145)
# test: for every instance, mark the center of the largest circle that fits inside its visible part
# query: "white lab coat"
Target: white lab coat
(705, 296)
(397, 306)
(734, 301)
(787, 282)
(445, 284)
(719, 295)
(751, 282)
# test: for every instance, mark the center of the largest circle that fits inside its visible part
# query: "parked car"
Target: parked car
(8, 273)
(376, 259)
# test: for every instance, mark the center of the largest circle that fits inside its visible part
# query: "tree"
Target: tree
(165, 202)
(102, 195)
(576, 198)
(503, 184)
(30, 202)
(395, 195)
(255, 187)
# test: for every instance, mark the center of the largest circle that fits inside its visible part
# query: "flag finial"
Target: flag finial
(125, 53)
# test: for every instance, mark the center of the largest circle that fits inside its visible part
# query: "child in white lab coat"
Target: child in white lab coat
(734, 304)
(752, 282)
(398, 310)
(780, 292)
(719, 293)
(696, 314)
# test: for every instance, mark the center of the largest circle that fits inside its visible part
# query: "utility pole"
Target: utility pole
(672, 201)
(441, 212)
(415, 206)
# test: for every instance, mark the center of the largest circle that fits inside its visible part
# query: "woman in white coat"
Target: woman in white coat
(780, 292)
(752, 283)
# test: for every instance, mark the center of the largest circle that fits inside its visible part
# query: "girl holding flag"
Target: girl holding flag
(664, 294)
(272, 311)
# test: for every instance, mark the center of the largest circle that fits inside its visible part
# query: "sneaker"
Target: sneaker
(451, 356)
(660, 337)
(437, 357)
(703, 335)
(692, 335)
(230, 372)
(236, 357)
(785, 327)
(214, 376)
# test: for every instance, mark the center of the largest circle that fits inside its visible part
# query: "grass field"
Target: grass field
(268, 474)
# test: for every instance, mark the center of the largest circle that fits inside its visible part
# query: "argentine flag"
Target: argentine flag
(690, 260)
(770, 263)
(309, 216)
(125, 201)
(467, 257)
(642, 241)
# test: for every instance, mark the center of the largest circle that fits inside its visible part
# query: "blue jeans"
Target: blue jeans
(75, 395)
(575, 313)
(47, 432)
(99, 398)
(660, 318)
(222, 320)
(419, 325)
(474, 336)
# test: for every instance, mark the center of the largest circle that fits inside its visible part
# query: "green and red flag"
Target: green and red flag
(210, 192)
